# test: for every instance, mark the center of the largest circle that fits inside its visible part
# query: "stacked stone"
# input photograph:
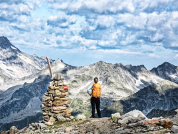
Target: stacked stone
(55, 105)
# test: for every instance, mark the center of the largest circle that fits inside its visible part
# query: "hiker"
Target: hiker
(95, 97)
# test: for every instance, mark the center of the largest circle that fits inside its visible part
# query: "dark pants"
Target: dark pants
(95, 101)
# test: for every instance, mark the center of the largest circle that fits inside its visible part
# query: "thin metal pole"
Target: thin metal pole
(49, 66)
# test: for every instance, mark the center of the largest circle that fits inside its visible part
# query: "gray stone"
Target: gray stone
(33, 125)
(68, 129)
(119, 129)
(133, 125)
(60, 83)
(71, 117)
(62, 90)
(68, 119)
(136, 119)
(57, 77)
(125, 120)
(115, 120)
(96, 131)
(116, 115)
(61, 118)
(28, 130)
(176, 111)
(41, 125)
(174, 128)
(134, 114)
(80, 117)
(125, 131)
(13, 130)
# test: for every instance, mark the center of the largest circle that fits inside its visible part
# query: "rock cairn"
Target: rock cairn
(55, 105)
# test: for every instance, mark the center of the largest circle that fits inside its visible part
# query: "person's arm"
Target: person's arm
(91, 92)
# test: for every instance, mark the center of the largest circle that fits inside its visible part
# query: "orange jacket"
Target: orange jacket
(96, 90)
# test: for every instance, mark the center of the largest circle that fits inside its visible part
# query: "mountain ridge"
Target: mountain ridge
(15, 64)
(161, 96)
(166, 71)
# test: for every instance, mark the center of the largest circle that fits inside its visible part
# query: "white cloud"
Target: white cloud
(156, 37)
(131, 20)
(62, 20)
(174, 44)
(154, 55)
(176, 56)
(124, 26)
(95, 6)
(119, 51)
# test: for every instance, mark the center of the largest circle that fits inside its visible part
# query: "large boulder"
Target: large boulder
(13, 130)
(131, 117)
(175, 129)
(133, 114)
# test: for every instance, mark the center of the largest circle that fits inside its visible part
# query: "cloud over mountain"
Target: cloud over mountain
(134, 26)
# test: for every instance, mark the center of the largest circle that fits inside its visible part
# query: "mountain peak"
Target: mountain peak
(163, 66)
(136, 67)
(121, 64)
(99, 63)
(4, 42)
(167, 64)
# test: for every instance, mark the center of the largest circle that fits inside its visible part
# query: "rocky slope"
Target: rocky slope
(166, 71)
(23, 103)
(15, 64)
(162, 96)
(130, 123)
(163, 113)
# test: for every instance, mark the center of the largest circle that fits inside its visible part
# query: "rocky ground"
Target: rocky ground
(133, 122)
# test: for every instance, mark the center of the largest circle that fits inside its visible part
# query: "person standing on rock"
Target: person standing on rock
(95, 98)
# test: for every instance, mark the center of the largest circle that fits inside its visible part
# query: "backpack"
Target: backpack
(96, 90)
(89, 90)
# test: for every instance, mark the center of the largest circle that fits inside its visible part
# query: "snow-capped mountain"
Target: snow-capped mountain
(166, 71)
(160, 96)
(15, 64)
(117, 81)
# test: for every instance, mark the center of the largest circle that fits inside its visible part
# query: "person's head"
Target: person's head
(95, 79)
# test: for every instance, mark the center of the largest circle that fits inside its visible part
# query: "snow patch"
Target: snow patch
(1, 81)
(10, 70)
(173, 76)
(13, 47)
(27, 60)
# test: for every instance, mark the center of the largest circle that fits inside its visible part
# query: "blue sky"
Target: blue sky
(82, 32)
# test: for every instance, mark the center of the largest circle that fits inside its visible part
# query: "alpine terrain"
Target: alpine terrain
(156, 97)
(25, 79)
(15, 64)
